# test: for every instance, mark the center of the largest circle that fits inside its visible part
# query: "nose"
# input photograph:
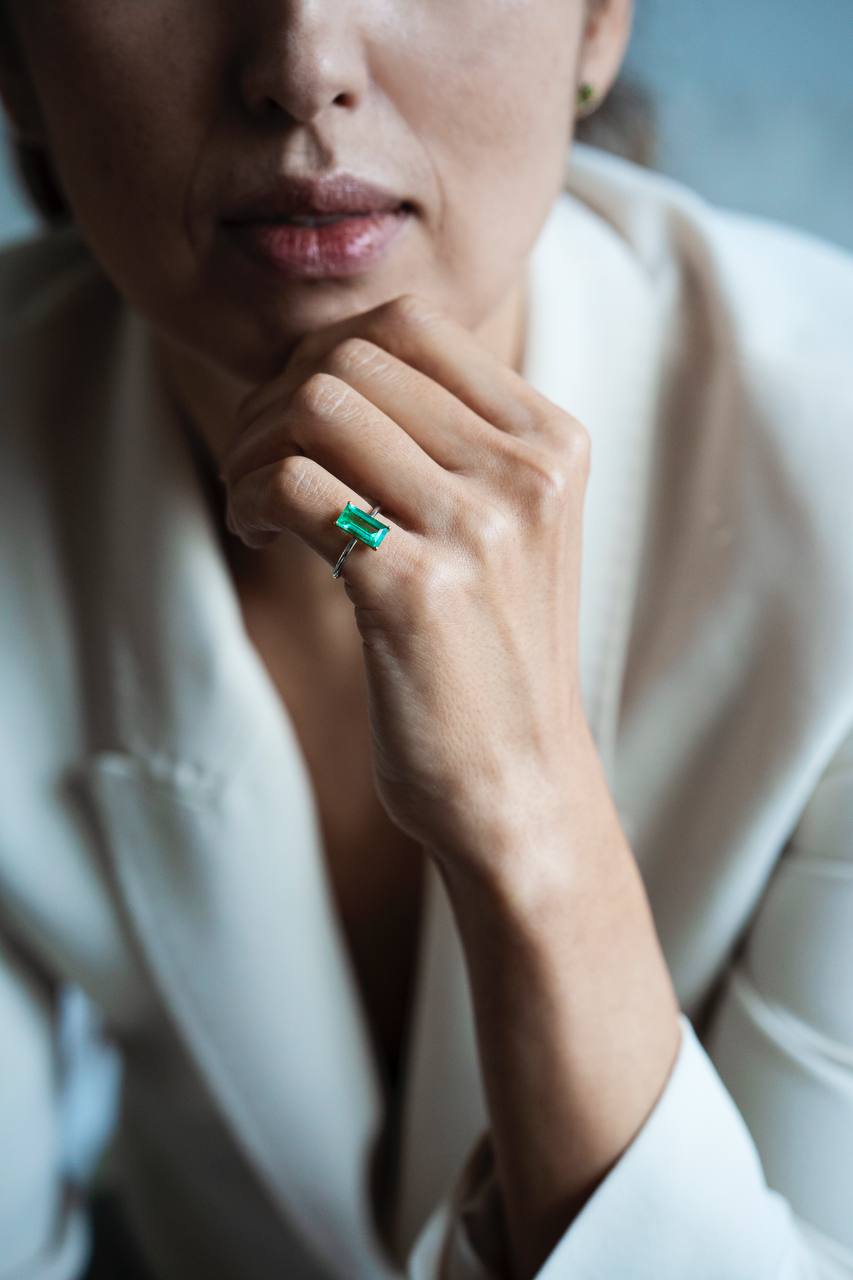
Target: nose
(299, 57)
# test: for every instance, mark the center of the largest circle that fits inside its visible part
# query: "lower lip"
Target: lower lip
(341, 248)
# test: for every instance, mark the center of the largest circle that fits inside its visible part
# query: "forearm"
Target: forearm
(576, 1017)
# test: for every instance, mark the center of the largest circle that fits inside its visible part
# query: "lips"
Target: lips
(292, 196)
(345, 247)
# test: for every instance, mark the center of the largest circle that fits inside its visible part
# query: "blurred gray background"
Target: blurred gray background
(753, 101)
(753, 105)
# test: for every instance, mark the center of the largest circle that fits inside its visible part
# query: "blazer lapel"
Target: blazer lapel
(205, 812)
(593, 329)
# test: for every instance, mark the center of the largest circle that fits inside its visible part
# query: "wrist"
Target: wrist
(542, 902)
(543, 853)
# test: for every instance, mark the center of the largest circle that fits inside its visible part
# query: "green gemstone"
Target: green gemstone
(362, 525)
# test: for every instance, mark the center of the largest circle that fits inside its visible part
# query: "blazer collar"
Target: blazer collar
(202, 801)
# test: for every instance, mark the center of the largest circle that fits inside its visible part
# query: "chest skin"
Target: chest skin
(375, 871)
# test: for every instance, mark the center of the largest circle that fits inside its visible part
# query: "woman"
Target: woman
(488, 912)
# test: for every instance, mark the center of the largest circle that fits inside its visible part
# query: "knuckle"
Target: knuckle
(539, 413)
(412, 570)
(420, 580)
(411, 309)
(261, 498)
(486, 530)
(294, 479)
(430, 584)
(319, 394)
(547, 479)
(551, 484)
(353, 354)
(553, 475)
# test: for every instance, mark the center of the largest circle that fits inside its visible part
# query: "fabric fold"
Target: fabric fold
(686, 1197)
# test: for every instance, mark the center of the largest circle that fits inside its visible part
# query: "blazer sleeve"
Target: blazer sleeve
(743, 1169)
(42, 1234)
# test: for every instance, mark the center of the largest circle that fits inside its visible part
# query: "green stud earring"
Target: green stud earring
(586, 95)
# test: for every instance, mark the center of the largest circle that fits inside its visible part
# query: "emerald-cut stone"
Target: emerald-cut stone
(362, 525)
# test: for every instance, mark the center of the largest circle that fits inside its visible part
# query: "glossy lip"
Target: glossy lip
(343, 248)
(340, 192)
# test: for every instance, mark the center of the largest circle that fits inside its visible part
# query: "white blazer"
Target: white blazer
(159, 837)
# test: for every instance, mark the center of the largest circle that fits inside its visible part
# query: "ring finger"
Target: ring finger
(331, 422)
(339, 429)
(298, 495)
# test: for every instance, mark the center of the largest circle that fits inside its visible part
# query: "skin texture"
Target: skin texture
(400, 384)
(438, 100)
(464, 625)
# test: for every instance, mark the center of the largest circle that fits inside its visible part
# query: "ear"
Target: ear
(606, 36)
(17, 92)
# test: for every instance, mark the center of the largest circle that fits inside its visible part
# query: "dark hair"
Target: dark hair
(625, 124)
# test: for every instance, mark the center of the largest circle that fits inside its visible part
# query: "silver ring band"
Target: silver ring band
(336, 572)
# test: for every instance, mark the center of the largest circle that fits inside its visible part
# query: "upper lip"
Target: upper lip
(294, 195)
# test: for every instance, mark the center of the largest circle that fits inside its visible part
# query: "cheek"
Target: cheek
(142, 106)
(120, 110)
(489, 91)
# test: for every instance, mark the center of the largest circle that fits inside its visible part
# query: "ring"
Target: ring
(363, 527)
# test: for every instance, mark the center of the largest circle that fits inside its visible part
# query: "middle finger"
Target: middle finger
(329, 421)
(446, 429)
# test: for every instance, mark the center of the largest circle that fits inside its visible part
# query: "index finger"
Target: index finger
(413, 329)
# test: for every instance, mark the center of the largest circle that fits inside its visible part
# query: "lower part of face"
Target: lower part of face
(161, 116)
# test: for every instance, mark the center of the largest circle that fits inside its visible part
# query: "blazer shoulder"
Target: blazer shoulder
(755, 403)
(767, 289)
(789, 293)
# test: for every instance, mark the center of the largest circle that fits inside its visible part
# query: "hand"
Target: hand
(468, 610)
